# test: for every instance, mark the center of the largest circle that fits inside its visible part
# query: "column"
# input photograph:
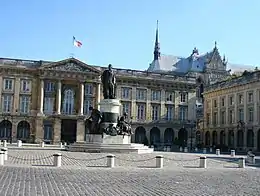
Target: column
(39, 133)
(81, 104)
(148, 105)
(58, 103)
(98, 95)
(162, 105)
(41, 96)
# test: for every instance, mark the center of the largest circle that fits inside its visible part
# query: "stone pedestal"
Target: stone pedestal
(110, 109)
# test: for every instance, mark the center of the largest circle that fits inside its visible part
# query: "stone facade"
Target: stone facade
(232, 112)
(49, 101)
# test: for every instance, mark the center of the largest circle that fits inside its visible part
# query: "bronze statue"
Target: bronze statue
(94, 121)
(124, 125)
(109, 83)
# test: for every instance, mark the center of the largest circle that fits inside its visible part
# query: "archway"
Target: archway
(222, 138)
(258, 140)
(240, 138)
(155, 136)
(23, 131)
(250, 138)
(207, 138)
(183, 137)
(168, 136)
(214, 138)
(5, 129)
(140, 136)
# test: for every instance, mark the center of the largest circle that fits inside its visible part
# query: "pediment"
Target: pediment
(71, 65)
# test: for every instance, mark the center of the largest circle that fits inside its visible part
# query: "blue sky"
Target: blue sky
(122, 32)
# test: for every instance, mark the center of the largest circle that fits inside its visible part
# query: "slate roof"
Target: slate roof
(180, 65)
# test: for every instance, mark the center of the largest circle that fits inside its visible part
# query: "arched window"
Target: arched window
(68, 102)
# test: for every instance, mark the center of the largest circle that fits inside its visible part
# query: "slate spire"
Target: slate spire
(156, 52)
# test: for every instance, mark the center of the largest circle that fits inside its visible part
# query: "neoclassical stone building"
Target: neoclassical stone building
(49, 100)
(232, 113)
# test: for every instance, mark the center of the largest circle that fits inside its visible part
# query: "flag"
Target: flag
(76, 42)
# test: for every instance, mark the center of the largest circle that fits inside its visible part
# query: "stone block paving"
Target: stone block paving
(81, 160)
(23, 176)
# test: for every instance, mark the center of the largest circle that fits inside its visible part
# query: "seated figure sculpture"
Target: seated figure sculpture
(124, 125)
(94, 121)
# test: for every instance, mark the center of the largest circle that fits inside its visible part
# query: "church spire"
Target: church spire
(156, 52)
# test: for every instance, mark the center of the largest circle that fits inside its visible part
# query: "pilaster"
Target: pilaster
(58, 98)
(16, 97)
(80, 131)
(39, 134)
(57, 131)
(41, 97)
(81, 104)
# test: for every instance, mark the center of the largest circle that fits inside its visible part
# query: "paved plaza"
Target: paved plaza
(31, 172)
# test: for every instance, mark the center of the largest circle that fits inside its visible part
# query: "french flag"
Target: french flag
(76, 42)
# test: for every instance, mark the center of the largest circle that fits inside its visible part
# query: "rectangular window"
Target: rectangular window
(250, 97)
(223, 102)
(7, 103)
(48, 132)
(125, 93)
(49, 86)
(48, 106)
(25, 104)
(250, 114)
(231, 116)
(215, 103)
(169, 112)
(240, 99)
(25, 86)
(88, 89)
(223, 117)
(215, 119)
(182, 113)
(126, 108)
(241, 115)
(141, 112)
(155, 112)
(156, 95)
(8, 84)
(183, 97)
(87, 104)
(141, 94)
(231, 100)
(169, 96)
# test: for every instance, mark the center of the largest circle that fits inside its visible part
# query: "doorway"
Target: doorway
(68, 130)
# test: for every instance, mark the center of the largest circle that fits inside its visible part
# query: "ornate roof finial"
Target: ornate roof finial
(195, 51)
(156, 52)
(215, 44)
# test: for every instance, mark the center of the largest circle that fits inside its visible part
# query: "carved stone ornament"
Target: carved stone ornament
(70, 67)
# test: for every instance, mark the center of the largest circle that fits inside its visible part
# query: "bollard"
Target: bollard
(241, 162)
(57, 160)
(19, 143)
(232, 153)
(185, 149)
(42, 144)
(181, 149)
(2, 158)
(217, 151)
(196, 149)
(111, 161)
(61, 146)
(210, 150)
(203, 162)
(4, 143)
(159, 161)
(204, 150)
(65, 144)
(4, 150)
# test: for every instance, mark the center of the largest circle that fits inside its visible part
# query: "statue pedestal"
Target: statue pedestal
(110, 109)
(98, 143)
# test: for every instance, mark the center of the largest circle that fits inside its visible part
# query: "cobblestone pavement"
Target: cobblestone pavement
(23, 176)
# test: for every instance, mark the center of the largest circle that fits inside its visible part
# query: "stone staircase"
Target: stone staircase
(108, 148)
